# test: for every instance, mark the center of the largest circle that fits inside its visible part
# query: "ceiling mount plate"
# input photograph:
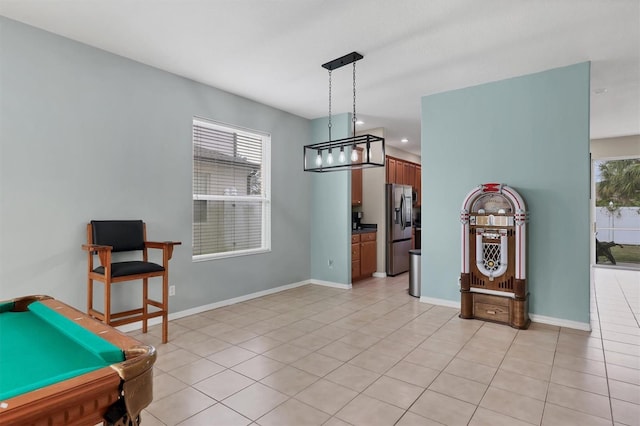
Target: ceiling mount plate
(345, 60)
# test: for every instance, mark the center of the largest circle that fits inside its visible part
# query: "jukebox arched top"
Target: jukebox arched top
(494, 198)
(492, 203)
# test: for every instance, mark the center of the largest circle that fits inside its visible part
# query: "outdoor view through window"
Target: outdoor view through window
(617, 213)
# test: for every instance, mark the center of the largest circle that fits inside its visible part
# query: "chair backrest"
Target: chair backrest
(122, 235)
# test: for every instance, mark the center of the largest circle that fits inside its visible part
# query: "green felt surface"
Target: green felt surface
(40, 347)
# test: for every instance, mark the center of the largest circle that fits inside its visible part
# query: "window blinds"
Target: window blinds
(230, 191)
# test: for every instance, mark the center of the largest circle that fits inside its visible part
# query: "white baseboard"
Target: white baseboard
(330, 284)
(542, 319)
(379, 274)
(440, 302)
(199, 309)
(560, 322)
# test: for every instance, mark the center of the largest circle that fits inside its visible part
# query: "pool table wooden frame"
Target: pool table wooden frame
(85, 399)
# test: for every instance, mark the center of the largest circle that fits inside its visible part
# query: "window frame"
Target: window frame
(264, 199)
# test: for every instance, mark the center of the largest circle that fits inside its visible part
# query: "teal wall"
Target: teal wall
(532, 133)
(331, 210)
(85, 134)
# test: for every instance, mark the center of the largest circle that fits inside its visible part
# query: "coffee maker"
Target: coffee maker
(356, 219)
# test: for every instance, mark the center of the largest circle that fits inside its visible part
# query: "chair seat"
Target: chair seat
(121, 269)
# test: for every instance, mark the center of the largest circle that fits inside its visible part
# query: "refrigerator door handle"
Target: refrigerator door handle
(402, 221)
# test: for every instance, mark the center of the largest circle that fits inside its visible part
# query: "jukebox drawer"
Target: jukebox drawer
(491, 300)
(491, 312)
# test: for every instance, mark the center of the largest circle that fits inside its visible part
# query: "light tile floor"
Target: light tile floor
(374, 355)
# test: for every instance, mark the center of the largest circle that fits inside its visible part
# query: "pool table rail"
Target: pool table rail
(85, 399)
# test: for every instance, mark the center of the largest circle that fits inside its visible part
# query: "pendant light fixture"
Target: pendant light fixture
(355, 152)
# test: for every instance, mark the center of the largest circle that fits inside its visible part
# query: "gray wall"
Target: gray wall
(331, 210)
(532, 133)
(89, 135)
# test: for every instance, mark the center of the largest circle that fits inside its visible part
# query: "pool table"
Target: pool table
(61, 367)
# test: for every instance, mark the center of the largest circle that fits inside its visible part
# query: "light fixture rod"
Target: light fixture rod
(344, 60)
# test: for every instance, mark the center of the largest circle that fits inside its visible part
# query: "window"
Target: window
(617, 213)
(231, 197)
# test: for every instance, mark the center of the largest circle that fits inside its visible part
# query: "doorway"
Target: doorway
(616, 212)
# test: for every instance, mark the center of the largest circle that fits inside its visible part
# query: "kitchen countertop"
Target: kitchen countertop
(363, 231)
(365, 228)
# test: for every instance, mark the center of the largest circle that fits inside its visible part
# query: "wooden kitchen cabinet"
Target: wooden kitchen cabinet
(407, 174)
(391, 170)
(413, 238)
(363, 255)
(399, 172)
(402, 172)
(355, 257)
(368, 261)
(410, 174)
(356, 187)
(356, 184)
(418, 185)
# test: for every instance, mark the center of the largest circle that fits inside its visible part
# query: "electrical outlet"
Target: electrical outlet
(172, 290)
(330, 263)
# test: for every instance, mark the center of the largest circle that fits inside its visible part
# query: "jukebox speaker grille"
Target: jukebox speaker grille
(491, 256)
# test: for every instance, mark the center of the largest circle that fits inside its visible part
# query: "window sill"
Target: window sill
(226, 255)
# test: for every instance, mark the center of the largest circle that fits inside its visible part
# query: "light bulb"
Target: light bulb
(354, 154)
(329, 158)
(319, 159)
(341, 157)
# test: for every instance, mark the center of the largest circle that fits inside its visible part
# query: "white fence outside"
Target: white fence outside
(621, 226)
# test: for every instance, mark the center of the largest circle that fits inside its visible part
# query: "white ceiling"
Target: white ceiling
(272, 50)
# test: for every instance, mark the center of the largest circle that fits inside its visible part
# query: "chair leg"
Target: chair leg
(165, 307)
(89, 296)
(145, 305)
(107, 302)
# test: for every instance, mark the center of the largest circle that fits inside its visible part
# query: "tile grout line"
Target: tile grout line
(546, 395)
(604, 353)
(624, 295)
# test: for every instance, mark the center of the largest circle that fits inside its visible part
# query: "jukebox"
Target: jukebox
(493, 284)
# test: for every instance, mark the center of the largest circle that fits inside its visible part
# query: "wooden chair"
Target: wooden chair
(105, 237)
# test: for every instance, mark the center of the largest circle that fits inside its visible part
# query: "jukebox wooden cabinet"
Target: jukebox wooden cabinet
(493, 284)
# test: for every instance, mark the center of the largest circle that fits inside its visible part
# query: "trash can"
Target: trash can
(414, 272)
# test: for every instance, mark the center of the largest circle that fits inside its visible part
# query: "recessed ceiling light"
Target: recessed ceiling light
(600, 91)
(359, 122)
(404, 140)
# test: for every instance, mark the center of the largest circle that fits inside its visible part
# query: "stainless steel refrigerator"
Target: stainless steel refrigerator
(398, 204)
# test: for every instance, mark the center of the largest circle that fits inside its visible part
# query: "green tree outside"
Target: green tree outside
(620, 184)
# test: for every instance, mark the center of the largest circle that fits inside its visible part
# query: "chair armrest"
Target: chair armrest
(166, 246)
(161, 244)
(103, 252)
(96, 247)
